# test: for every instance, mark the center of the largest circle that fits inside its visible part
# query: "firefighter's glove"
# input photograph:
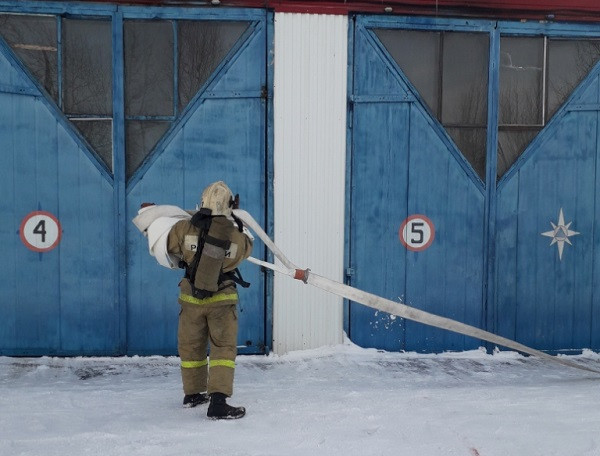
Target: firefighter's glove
(239, 223)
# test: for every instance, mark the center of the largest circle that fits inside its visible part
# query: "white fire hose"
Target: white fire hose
(386, 305)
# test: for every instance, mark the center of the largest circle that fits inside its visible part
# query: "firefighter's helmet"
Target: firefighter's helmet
(218, 198)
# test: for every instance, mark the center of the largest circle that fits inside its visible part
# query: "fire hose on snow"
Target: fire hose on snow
(386, 305)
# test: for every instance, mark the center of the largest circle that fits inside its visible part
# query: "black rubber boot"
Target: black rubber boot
(192, 400)
(220, 410)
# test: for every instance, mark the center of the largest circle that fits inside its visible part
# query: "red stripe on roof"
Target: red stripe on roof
(578, 10)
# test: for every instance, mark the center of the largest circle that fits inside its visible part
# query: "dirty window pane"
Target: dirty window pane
(417, 55)
(472, 143)
(202, 47)
(99, 134)
(511, 143)
(148, 68)
(521, 76)
(140, 139)
(87, 63)
(465, 76)
(569, 62)
(450, 72)
(33, 39)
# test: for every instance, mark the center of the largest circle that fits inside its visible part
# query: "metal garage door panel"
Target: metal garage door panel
(404, 164)
(222, 137)
(447, 278)
(61, 301)
(545, 298)
(379, 204)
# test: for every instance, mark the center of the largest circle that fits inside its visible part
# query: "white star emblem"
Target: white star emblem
(560, 233)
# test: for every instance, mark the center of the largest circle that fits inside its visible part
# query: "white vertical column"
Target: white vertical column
(309, 173)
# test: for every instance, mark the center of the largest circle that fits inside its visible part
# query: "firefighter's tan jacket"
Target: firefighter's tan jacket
(224, 249)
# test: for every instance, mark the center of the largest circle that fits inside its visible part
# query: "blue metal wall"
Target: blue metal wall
(490, 265)
(98, 291)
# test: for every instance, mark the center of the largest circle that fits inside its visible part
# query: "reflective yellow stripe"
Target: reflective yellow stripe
(210, 300)
(192, 364)
(212, 363)
(221, 362)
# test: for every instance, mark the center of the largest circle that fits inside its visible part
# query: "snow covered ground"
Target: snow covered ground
(341, 400)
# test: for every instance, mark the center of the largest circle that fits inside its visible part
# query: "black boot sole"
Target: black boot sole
(227, 417)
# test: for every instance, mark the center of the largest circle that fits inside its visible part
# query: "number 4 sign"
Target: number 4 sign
(416, 233)
(40, 231)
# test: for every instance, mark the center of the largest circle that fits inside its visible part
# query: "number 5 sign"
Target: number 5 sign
(416, 233)
(40, 231)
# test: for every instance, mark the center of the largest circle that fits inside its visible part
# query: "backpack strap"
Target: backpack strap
(201, 220)
(235, 276)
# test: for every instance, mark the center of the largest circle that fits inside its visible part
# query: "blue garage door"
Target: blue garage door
(405, 168)
(221, 136)
(548, 213)
(473, 180)
(101, 109)
(58, 279)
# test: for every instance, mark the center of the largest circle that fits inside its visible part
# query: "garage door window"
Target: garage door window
(537, 75)
(166, 63)
(449, 70)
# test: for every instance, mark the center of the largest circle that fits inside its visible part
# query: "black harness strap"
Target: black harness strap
(235, 276)
(201, 220)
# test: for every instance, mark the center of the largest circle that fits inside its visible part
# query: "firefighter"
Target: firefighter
(210, 245)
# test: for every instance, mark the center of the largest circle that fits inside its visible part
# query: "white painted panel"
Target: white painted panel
(309, 173)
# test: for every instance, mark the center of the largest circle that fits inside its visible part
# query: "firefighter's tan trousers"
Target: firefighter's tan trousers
(198, 326)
